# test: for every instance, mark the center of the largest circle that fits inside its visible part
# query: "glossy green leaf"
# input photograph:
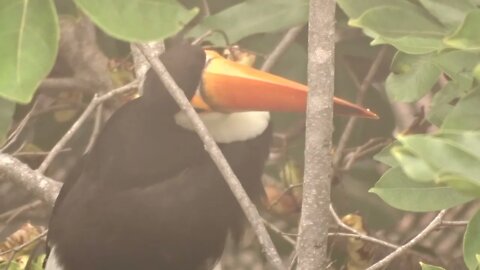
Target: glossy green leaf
(444, 155)
(469, 140)
(430, 267)
(466, 114)
(467, 37)
(28, 47)
(396, 22)
(412, 44)
(461, 183)
(385, 155)
(414, 167)
(412, 77)
(471, 242)
(450, 13)
(441, 103)
(355, 8)
(457, 64)
(397, 190)
(138, 20)
(7, 108)
(253, 17)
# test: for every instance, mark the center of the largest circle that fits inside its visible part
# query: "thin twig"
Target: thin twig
(22, 246)
(21, 126)
(286, 236)
(285, 192)
(362, 90)
(364, 238)
(281, 47)
(97, 126)
(74, 128)
(217, 156)
(454, 223)
(399, 251)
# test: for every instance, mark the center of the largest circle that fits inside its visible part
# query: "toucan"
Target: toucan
(148, 196)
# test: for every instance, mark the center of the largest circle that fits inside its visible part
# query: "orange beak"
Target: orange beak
(229, 86)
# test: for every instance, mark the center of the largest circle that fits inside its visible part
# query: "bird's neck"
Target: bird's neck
(229, 127)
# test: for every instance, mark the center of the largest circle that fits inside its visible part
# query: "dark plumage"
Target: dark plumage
(148, 196)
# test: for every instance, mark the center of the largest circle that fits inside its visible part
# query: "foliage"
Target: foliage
(438, 46)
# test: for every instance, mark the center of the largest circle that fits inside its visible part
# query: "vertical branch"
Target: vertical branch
(312, 242)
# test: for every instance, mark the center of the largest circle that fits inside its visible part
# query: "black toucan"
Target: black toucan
(148, 196)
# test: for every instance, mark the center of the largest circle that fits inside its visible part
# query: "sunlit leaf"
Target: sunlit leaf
(412, 77)
(252, 17)
(355, 8)
(467, 37)
(466, 114)
(28, 47)
(138, 20)
(412, 44)
(414, 167)
(450, 13)
(396, 189)
(396, 22)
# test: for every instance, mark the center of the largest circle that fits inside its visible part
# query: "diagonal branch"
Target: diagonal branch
(217, 156)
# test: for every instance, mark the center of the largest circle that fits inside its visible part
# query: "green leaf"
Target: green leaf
(138, 20)
(414, 167)
(355, 8)
(466, 114)
(450, 13)
(444, 155)
(456, 64)
(430, 267)
(441, 103)
(7, 108)
(413, 76)
(471, 243)
(385, 155)
(399, 191)
(28, 47)
(467, 36)
(468, 140)
(459, 182)
(396, 22)
(253, 17)
(412, 44)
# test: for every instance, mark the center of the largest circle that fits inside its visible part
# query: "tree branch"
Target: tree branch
(217, 156)
(15, 171)
(430, 227)
(74, 128)
(312, 241)
(281, 47)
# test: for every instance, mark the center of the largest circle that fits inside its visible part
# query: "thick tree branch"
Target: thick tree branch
(314, 221)
(13, 170)
(217, 156)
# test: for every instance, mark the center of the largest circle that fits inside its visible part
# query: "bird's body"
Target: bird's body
(148, 196)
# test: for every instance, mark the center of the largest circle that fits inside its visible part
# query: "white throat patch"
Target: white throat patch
(52, 262)
(229, 127)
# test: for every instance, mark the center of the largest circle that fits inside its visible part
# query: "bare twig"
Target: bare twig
(286, 236)
(454, 223)
(399, 251)
(362, 90)
(17, 211)
(88, 111)
(217, 156)
(285, 192)
(24, 245)
(281, 47)
(97, 126)
(313, 228)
